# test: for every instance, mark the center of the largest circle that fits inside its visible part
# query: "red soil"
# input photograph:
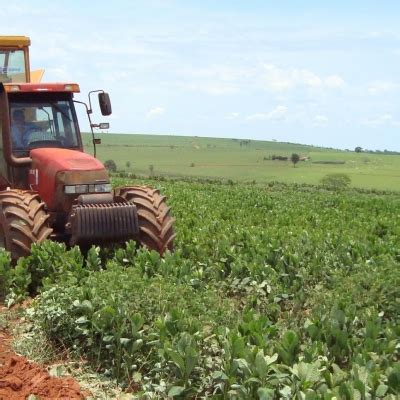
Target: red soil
(19, 378)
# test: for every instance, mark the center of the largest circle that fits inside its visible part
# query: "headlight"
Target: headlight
(103, 188)
(72, 189)
(97, 188)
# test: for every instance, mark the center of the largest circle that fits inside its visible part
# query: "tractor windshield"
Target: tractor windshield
(43, 124)
(12, 66)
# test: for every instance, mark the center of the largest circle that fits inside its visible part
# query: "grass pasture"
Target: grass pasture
(242, 160)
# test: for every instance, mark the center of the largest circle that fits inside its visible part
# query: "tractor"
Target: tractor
(49, 187)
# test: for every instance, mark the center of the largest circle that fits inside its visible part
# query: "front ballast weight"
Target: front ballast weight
(102, 223)
(137, 213)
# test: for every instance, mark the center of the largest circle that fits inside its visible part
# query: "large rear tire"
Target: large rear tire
(155, 221)
(23, 221)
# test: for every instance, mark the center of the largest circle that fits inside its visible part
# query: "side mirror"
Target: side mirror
(105, 103)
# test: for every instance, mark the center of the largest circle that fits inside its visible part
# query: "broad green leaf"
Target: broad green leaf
(360, 386)
(190, 360)
(137, 377)
(177, 359)
(394, 380)
(344, 392)
(241, 363)
(125, 341)
(261, 364)
(265, 394)
(381, 390)
(307, 372)
(175, 391)
(82, 320)
(272, 359)
(219, 375)
(286, 392)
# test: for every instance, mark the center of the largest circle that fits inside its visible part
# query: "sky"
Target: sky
(312, 72)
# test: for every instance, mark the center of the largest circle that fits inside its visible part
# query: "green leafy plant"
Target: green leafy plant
(249, 304)
(110, 165)
(336, 181)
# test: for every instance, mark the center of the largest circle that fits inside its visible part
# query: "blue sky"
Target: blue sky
(313, 72)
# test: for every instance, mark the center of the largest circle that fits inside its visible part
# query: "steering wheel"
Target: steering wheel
(43, 139)
(27, 134)
(45, 143)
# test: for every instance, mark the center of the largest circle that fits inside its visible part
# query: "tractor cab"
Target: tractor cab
(35, 116)
(47, 120)
(39, 122)
(14, 59)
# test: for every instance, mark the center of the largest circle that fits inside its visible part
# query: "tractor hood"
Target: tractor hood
(64, 160)
(53, 168)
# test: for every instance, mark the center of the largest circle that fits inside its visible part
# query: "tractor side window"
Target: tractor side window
(65, 126)
(12, 66)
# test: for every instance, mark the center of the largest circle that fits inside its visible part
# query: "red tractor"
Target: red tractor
(51, 189)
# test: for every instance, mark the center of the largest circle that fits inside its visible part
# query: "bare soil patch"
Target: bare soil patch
(19, 378)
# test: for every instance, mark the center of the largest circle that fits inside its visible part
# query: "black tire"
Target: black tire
(23, 221)
(155, 221)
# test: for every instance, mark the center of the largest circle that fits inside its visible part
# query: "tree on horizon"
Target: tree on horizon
(295, 158)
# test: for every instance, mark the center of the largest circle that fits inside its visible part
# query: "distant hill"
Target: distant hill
(244, 159)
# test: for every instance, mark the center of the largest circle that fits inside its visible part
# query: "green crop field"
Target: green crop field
(273, 292)
(241, 160)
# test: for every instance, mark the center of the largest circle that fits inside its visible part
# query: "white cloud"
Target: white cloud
(280, 79)
(277, 114)
(320, 120)
(58, 74)
(232, 79)
(221, 73)
(381, 87)
(214, 88)
(155, 112)
(334, 81)
(308, 78)
(233, 115)
(277, 79)
(383, 119)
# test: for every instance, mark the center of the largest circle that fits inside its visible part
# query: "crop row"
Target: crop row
(275, 292)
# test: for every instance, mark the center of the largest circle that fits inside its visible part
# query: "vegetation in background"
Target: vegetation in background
(294, 158)
(336, 181)
(110, 165)
(244, 161)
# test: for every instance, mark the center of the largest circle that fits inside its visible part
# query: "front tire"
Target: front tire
(155, 221)
(23, 221)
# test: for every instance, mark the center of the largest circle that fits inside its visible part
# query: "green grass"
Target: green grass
(232, 159)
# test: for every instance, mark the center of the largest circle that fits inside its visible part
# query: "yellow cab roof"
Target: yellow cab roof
(14, 41)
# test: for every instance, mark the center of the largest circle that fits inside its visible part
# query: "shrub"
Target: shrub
(295, 158)
(110, 165)
(151, 170)
(330, 162)
(336, 181)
